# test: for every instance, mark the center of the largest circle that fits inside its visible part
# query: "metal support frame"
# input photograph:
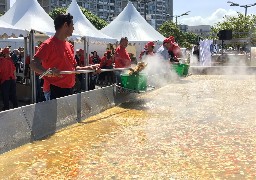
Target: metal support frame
(32, 73)
(25, 54)
(86, 62)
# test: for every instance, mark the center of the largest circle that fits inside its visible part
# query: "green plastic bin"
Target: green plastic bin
(179, 68)
(136, 82)
(185, 70)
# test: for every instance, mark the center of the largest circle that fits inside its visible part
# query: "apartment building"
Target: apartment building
(201, 30)
(105, 9)
(183, 27)
(155, 11)
(4, 6)
(49, 5)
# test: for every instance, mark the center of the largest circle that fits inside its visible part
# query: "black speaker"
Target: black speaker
(225, 34)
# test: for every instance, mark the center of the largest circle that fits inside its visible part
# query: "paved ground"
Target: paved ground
(202, 127)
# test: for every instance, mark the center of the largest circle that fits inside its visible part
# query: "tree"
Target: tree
(240, 25)
(168, 28)
(191, 38)
(95, 20)
(53, 14)
(186, 39)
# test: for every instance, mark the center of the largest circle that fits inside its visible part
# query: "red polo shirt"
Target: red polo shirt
(59, 54)
(7, 69)
(176, 50)
(27, 62)
(106, 62)
(46, 86)
(81, 60)
(122, 58)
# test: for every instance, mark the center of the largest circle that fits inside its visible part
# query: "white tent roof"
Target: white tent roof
(9, 30)
(129, 23)
(29, 15)
(84, 27)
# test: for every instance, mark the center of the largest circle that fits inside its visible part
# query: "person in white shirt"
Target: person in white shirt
(163, 50)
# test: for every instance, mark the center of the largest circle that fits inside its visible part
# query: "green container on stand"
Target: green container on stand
(137, 82)
(185, 70)
(179, 69)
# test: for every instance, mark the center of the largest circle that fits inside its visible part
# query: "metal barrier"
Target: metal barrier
(33, 122)
(14, 130)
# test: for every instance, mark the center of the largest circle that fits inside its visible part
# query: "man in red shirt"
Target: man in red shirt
(95, 58)
(122, 58)
(174, 50)
(81, 59)
(107, 60)
(106, 63)
(151, 46)
(144, 52)
(7, 80)
(93, 78)
(148, 50)
(58, 54)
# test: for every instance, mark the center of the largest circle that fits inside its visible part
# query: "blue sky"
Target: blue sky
(206, 12)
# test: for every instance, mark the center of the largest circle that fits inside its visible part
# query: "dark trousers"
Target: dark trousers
(92, 78)
(91, 81)
(107, 77)
(81, 78)
(57, 92)
(39, 91)
(8, 89)
(118, 77)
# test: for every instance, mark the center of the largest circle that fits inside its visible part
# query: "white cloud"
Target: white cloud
(216, 17)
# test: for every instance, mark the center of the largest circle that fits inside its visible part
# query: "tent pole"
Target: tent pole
(25, 55)
(87, 56)
(32, 73)
(117, 44)
(86, 63)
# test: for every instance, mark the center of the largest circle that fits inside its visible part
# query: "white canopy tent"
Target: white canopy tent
(83, 27)
(7, 30)
(30, 16)
(129, 23)
(95, 39)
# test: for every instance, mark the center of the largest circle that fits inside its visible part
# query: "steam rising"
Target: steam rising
(227, 64)
(159, 71)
